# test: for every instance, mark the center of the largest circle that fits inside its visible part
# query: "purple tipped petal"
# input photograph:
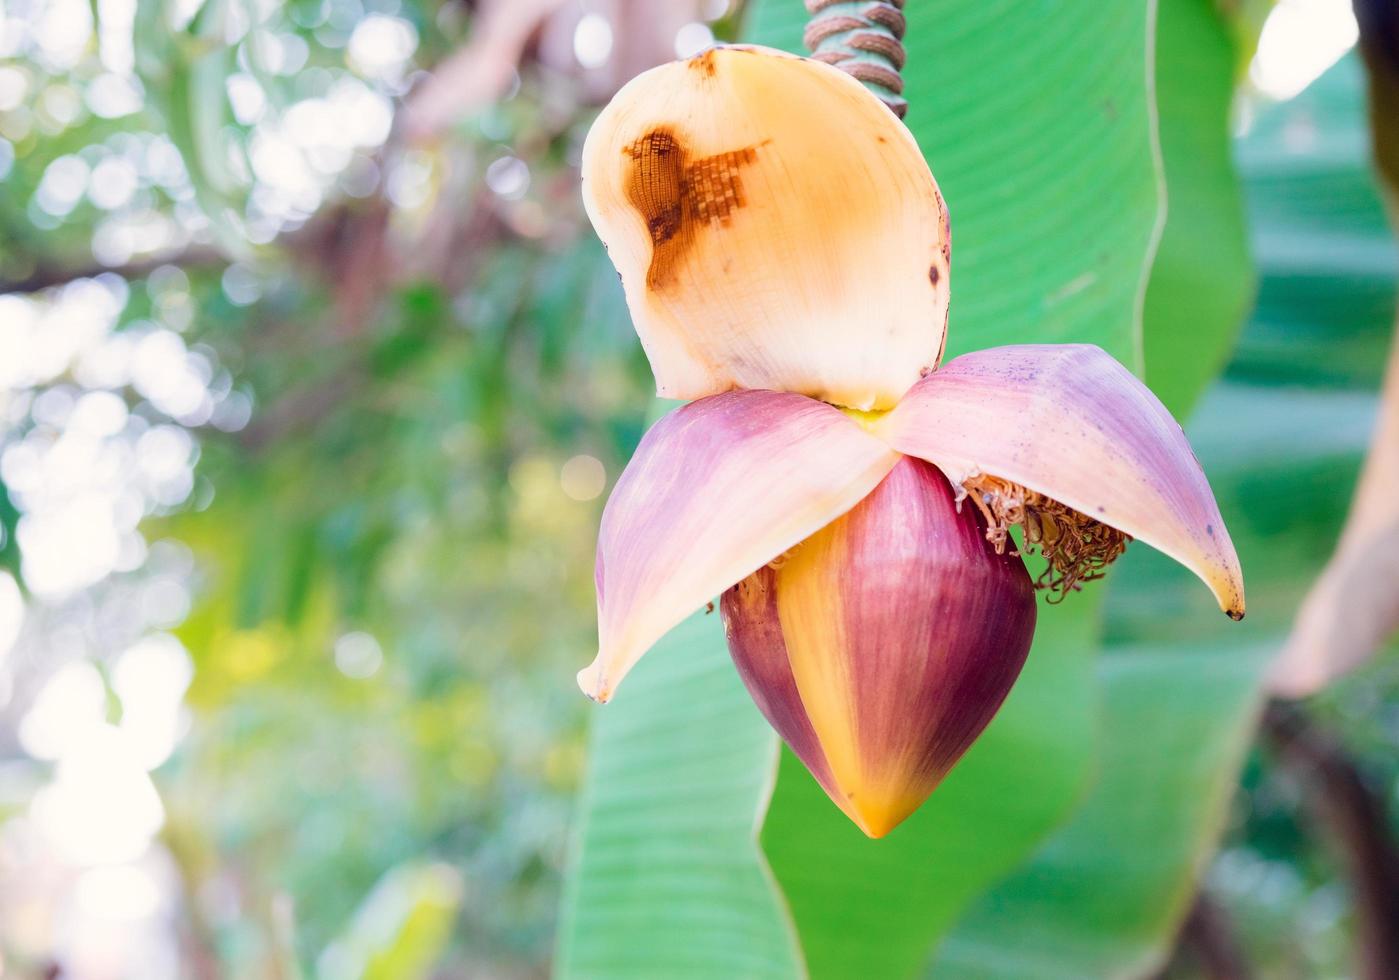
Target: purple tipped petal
(882, 646)
(1069, 423)
(717, 489)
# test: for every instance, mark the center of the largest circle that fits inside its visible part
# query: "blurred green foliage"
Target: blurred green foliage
(392, 562)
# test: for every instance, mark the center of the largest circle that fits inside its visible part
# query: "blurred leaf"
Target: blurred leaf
(150, 38)
(1105, 894)
(1245, 19)
(421, 310)
(667, 880)
(1320, 237)
(9, 521)
(260, 45)
(401, 929)
(186, 74)
(1202, 278)
(196, 112)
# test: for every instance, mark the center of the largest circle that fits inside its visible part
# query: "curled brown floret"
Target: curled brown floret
(1077, 547)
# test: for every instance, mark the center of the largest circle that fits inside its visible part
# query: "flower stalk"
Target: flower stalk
(863, 38)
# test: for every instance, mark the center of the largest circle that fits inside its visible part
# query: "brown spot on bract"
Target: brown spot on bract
(704, 63)
(679, 198)
(654, 184)
(934, 275)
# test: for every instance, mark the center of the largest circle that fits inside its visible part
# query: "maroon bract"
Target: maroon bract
(883, 645)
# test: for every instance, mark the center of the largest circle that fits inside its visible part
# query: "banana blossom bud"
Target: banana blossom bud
(785, 252)
(881, 647)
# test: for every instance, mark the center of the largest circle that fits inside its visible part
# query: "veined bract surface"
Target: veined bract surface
(882, 646)
(772, 229)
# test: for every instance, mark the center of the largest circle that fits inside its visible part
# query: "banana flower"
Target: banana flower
(785, 255)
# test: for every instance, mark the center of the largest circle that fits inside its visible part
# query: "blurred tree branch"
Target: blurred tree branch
(351, 246)
(1352, 815)
(361, 254)
(346, 241)
(48, 274)
(1353, 607)
(1208, 936)
(479, 72)
(1379, 44)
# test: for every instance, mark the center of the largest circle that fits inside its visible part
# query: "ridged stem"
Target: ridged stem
(865, 39)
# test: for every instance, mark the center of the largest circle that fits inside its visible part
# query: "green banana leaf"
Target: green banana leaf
(1281, 436)
(666, 878)
(185, 73)
(1202, 282)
